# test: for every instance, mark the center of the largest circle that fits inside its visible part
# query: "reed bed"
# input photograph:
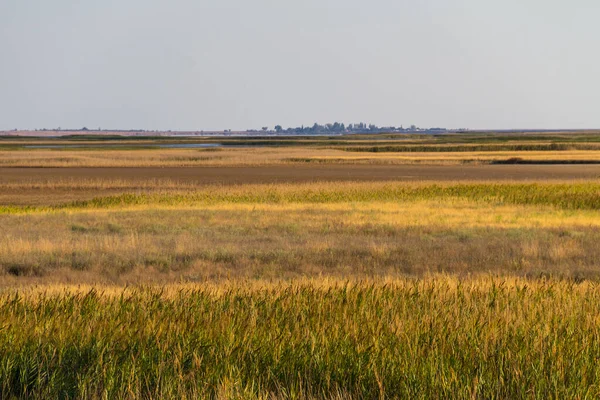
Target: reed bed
(170, 243)
(330, 290)
(296, 230)
(437, 337)
(264, 156)
(575, 196)
(447, 148)
(565, 196)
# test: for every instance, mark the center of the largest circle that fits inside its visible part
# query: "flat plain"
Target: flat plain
(390, 266)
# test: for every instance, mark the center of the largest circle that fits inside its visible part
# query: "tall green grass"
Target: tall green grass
(435, 338)
(560, 195)
(567, 196)
(437, 148)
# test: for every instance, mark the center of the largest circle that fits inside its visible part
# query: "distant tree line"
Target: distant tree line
(338, 128)
(316, 128)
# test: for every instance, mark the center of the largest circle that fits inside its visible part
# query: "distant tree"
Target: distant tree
(338, 127)
(84, 129)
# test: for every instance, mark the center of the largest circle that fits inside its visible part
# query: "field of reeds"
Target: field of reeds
(164, 288)
(302, 230)
(562, 195)
(438, 337)
(392, 149)
(43, 158)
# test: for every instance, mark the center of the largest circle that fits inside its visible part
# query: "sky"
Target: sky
(240, 64)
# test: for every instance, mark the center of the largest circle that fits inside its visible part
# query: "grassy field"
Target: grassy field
(303, 230)
(392, 149)
(437, 337)
(140, 287)
(273, 156)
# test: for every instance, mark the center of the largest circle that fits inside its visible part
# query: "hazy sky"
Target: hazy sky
(237, 64)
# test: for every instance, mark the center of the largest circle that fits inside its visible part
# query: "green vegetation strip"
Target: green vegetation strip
(564, 196)
(469, 148)
(420, 339)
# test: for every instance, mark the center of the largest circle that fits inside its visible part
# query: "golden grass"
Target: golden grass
(296, 291)
(264, 156)
(436, 337)
(171, 243)
(574, 195)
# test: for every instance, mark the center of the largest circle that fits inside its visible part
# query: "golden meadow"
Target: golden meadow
(273, 156)
(302, 230)
(324, 290)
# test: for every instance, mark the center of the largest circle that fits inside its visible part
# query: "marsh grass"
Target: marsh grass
(564, 196)
(325, 154)
(473, 147)
(575, 196)
(160, 243)
(296, 230)
(568, 196)
(298, 291)
(433, 338)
